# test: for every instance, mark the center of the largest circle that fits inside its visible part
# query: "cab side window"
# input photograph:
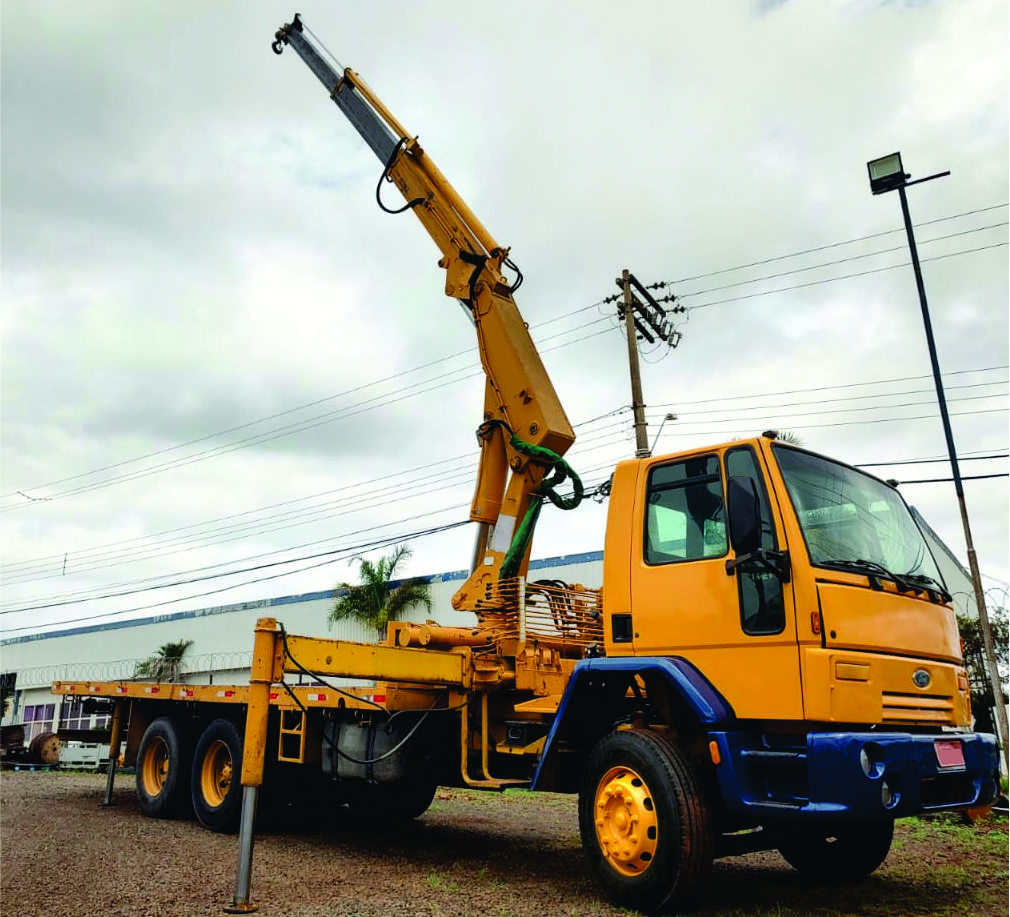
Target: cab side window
(762, 606)
(685, 518)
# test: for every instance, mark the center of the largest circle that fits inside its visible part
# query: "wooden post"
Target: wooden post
(641, 436)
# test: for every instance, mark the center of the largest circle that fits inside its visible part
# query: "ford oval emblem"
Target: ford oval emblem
(921, 678)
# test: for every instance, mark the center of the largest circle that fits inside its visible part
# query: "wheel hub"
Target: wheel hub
(216, 773)
(626, 823)
(155, 767)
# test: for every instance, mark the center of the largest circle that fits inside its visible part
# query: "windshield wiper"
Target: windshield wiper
(922, 580)
(875, 572)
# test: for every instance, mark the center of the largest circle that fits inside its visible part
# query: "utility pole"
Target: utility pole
(634, 311)
(637, 406)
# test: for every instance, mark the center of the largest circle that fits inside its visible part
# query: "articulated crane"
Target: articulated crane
(772, 662)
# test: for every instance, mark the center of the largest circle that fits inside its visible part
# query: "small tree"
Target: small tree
(165, 663)
(375, 601)
(982, 699)
(7, 689)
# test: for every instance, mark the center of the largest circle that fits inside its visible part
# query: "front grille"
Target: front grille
(917, 708)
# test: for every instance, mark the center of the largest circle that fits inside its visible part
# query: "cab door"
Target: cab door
(737, 626)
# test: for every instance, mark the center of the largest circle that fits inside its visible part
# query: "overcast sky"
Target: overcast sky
(219, 354)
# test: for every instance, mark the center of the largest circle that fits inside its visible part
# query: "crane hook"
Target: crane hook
(281, 35)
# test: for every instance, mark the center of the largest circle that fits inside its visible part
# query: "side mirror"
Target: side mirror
(744, 515)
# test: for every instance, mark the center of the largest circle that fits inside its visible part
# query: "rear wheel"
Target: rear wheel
(851, 852)
(216, 785)
(646, 827)
(163, 764)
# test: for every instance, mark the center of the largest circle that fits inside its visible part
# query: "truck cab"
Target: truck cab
(835, 612)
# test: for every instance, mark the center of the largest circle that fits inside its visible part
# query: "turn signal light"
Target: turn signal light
(887, 796)
(815, 621)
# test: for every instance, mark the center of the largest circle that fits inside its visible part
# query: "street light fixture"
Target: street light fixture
(888, 174)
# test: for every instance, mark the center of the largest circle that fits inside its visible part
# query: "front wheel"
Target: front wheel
(646, 827)
(216, 783)
(850, 852)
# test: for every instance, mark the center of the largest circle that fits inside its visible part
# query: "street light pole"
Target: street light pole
(887, 174)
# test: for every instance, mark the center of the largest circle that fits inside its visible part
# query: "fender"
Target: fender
(592, 701)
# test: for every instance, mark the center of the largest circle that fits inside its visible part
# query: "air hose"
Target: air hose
(547, 490)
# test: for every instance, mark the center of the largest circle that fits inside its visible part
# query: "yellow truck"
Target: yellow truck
(772, 661)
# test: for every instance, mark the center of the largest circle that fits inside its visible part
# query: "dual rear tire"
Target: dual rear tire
(163, 765)
(216, 787)
(174, 778)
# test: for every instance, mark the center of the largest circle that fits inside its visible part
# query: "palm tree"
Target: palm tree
(165, 663)
(375, 601)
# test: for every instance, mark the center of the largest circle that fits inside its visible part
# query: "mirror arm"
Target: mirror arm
(775, 562)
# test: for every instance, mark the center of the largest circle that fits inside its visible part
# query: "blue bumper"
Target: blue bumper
(766, 778)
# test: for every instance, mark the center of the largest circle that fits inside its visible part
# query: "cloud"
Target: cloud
(192, 243)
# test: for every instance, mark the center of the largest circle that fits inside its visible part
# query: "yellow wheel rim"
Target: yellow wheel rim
(155, 767)
(216, 773)
(626, 824)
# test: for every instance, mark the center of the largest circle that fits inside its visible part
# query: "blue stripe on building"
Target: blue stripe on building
(564, 560)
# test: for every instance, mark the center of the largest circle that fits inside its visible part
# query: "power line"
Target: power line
(299, 427)
(968, 477)
(455, 470)
(472, 371)
(35, 576)
(930, 461)
(821, 248)
(343, 551)
(329, 554)
(866, 407)
(294, 428)
(202, 531)
(843, 385)
(843, 423)
(813, 267)
(251, 569)
(814, 283)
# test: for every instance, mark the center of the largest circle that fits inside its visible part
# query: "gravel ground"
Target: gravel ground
(472, 853)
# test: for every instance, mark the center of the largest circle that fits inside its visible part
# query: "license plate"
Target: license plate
(949, 753)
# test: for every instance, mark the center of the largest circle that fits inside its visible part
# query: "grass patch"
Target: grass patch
(438, 882)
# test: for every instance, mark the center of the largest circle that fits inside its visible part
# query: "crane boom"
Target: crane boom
(525, 430)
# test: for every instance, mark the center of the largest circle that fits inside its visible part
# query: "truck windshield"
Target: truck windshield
(849, 516)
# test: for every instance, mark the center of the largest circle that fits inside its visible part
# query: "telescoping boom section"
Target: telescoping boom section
(524, 430)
